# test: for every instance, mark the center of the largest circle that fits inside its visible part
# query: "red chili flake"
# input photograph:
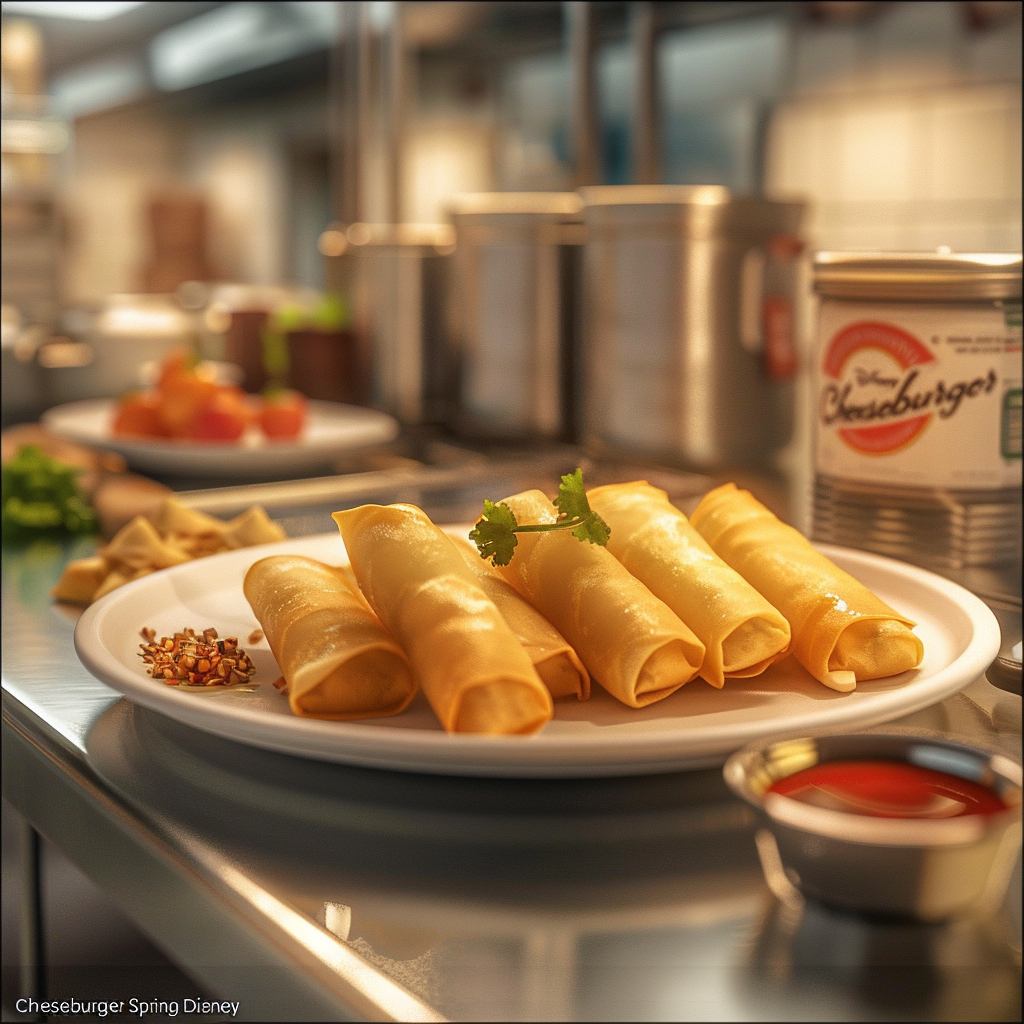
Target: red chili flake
(197, 660)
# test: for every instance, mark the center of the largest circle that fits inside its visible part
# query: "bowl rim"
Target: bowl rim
(842, 826)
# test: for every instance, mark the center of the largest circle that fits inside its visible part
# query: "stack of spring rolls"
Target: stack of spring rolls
(722, 595)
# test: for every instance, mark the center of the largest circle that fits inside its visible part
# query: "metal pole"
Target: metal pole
(346, 182)
(31, 944)
(396, 112)
(586, 154)
(363, 103)
(646, 135)
(351, 111)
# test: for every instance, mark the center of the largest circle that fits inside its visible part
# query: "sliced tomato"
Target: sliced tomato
(222, 417)
(283, 415)
(138, 415)
(182, 402)
(179, 365)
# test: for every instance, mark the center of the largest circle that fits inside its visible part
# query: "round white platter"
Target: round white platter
(697, 726)
(331, 430)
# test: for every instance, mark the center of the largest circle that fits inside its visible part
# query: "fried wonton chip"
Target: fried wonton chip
(175, 534)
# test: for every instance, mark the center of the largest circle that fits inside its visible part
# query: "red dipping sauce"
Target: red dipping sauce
(888, 789)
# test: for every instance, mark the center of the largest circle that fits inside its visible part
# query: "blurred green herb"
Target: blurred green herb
(331, 313)
(41, 497)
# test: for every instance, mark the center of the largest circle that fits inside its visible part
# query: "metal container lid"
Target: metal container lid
(565, 207)
(697, 208)
(917, 276)
(425, 238)
(656, 195)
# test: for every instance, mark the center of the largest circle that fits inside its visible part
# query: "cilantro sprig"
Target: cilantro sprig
(42, 497)
(495, 531)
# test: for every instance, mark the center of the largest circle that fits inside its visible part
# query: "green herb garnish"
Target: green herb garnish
(41, 497)
(495, 531)
(331, 313)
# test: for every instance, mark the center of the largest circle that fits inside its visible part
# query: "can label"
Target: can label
(919, 395)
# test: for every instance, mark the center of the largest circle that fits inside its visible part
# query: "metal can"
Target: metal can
(917, 448)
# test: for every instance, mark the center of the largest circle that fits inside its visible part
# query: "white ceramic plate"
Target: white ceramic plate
(331, 430)
(696, 726)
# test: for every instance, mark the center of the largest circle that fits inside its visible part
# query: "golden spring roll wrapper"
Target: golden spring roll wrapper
(842, 632)
(337, 658)
(349, 576)
(742, 633)
(557, 664)
(631, 642)
(474, 672)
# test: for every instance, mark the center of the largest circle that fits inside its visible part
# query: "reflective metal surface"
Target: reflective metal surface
(938, 275)
(689, 341)
(400, 281)
(313, 891)
(931, 870)
(515, 313)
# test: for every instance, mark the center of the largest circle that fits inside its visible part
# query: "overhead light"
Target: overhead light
(77, 10)
(196, 50)
(98, 87)
(33, 136)
(237, 37)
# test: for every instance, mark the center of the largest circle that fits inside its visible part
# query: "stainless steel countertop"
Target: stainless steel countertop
(318, 891)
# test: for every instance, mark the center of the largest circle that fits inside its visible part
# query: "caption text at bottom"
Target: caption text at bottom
(136, 1007)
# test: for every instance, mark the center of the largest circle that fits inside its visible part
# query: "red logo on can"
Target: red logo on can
(906, 351)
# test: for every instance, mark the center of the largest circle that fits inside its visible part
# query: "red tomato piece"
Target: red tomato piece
(138, 415)
(180, 406)
(222, 417)
(177, 366)
(183, 393)
(283, 415)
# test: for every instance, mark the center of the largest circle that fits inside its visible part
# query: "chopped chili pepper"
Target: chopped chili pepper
(188, 659)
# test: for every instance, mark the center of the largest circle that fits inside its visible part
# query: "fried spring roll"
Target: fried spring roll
(556, 662)
(474, 672)
(842, 632)
(337, 658)
(742, 633)
(631, 642)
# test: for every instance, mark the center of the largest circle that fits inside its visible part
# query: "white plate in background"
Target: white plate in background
(697, 726)
(331, 430)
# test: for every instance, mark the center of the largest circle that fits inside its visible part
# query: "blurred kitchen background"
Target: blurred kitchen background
(234, 159)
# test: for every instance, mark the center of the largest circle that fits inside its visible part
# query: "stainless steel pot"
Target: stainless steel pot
(689, 351)
(514, 305)
(400, 281)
